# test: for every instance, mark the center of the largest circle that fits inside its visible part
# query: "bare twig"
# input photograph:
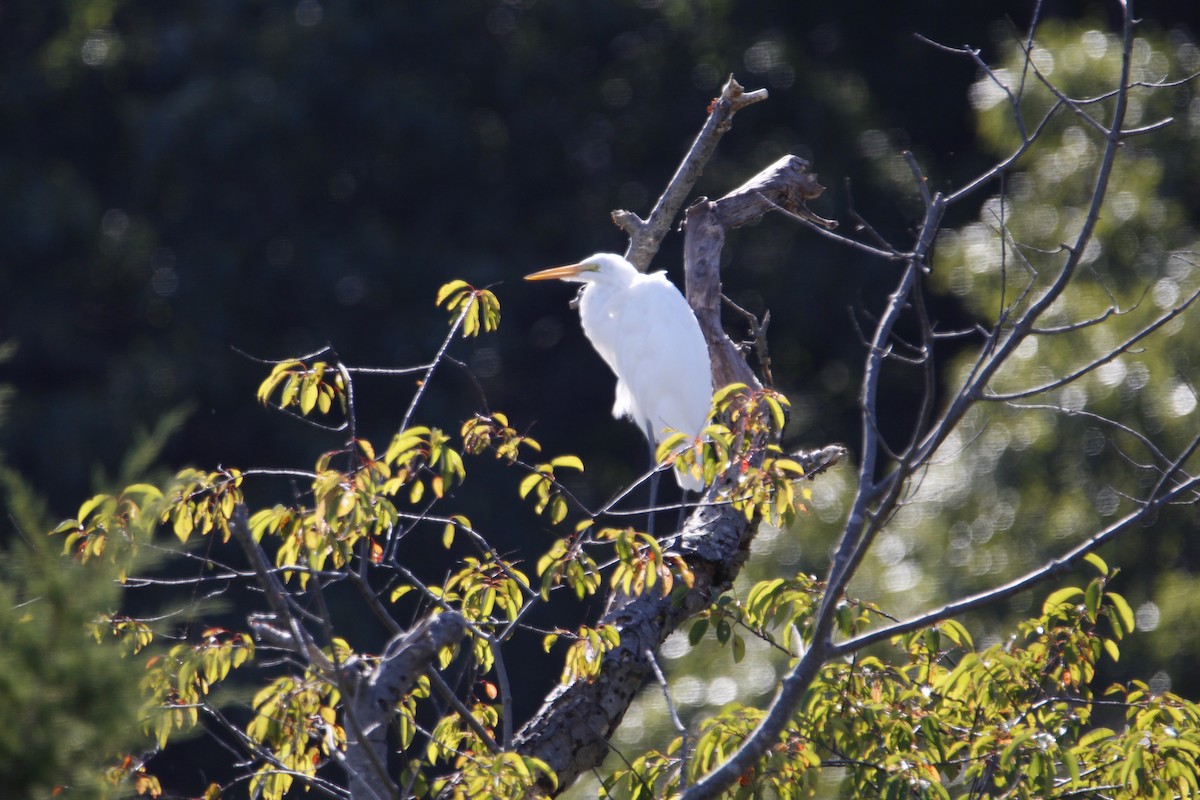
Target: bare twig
(1024, 582)
(1111, 354)
(437, 359)
(676, 722)
(645, 236)
(758, 332)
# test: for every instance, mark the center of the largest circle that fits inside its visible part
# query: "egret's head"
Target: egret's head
(597, 268)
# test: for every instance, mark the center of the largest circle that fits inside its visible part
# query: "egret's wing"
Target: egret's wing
(663, 374)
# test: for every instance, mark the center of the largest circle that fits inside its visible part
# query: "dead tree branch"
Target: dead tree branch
(787, 184)
(646, 235)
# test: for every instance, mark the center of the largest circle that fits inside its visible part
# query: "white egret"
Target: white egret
(645, 331)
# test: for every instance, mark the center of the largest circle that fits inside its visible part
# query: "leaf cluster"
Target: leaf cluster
(933, 716)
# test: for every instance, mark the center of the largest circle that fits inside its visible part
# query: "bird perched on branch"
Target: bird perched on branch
(645, 331)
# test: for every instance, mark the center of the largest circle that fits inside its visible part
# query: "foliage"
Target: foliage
(71, 705)
(358, 512)
(935, 716)
(296, 723)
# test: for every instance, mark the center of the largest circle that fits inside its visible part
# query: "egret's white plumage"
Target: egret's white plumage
(645, 331)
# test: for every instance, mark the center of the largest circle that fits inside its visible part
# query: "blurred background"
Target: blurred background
(190, 186)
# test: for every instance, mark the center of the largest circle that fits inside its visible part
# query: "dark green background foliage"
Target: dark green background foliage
(188, 178)
(184, 181)
(69, 705)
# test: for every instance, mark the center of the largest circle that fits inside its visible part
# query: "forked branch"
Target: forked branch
(646, 235)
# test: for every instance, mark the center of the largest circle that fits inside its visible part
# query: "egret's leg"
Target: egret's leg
(653, 481)
(684, 497)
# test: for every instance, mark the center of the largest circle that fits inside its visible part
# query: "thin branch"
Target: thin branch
(1113, 353)
(855, 533)
(277, 597)
(758, 329)
(1020, 584)
(676, 722)
(645, 236)
(1001, 167)
(273, 361)
(257, 751)
(990, 362)
(392, 370)
(823, 230)
(1071, 412)
(437, 359)
(1071, 327)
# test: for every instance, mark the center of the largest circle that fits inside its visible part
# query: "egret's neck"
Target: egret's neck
(600, 314)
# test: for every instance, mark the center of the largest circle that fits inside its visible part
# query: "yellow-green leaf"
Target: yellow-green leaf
(1124, 612)
(450, 288)
(308, 396)
(567, 462)
(1097, 562)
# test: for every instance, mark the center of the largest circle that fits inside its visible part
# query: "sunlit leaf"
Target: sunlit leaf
(448, 289)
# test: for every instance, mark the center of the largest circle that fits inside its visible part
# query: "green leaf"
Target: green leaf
(470, 320)
(66, 525)
(145, 489)
(91, 505)
(1094, 736)
(308, 396)
(1097, 562)
(529, 482)
(722, 394)
(955, 632)
(1091, 600)
(567, 462)
(1072, 765)
(450, 288)
(1061, 598)
(183, 524)
(1124, 612)
(778, 417)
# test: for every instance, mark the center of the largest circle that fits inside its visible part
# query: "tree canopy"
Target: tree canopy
(945, 549)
